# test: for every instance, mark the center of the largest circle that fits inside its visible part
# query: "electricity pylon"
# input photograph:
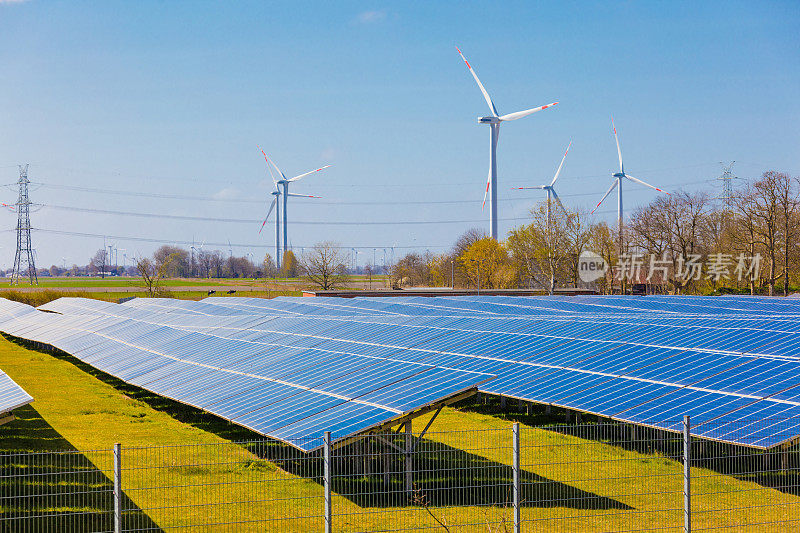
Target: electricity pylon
(24, 264)
(727, 185)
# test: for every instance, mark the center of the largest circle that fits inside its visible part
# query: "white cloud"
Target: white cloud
(371, 17)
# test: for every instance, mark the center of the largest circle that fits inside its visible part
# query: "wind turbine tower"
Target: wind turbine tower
(618, 178)
(24, 263)
(493, 121)
(275, 204)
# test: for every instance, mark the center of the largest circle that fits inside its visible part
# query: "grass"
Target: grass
(590, 484)
(41, 297)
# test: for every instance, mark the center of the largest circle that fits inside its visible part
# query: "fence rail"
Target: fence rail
(603, 476)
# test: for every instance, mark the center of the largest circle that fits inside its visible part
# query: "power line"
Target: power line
(316, 202)
(257, 221)
(118, 174)
(221, 244)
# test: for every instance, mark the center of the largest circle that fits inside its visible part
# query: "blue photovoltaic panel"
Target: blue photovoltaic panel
(12, 395)
(281, 386)
(646, 360)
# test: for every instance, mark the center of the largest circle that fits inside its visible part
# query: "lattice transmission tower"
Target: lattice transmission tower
(24, 264)
(727, 178)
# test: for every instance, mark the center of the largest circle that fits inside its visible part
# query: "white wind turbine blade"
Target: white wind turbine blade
(303, 195)
(525, 188)
(307, 173)
(271, 207)
(637, 180)
(561, 165)
(283, 176)
(269, 167)
(485, 194)
(520, 114)
(483, 89)
(558, 200)
(619, 152)
(604, 196)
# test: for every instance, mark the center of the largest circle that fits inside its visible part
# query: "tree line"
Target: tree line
(683, 243)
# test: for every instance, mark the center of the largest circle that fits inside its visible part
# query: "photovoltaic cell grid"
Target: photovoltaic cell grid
(285, 388)
(641, 360)
(12, 395)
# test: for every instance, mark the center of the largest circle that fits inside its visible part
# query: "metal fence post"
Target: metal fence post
(117, 488)
(409, 468)
(516, 491)
(327, 483)
(687, 476)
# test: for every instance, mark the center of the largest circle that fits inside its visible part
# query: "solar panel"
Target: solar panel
(282, 390)
(261, 362)
(12, 396)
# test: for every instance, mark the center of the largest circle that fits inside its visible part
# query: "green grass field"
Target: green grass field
(601, 487)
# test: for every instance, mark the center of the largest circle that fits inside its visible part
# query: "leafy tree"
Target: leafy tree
(175, 260)
(289, 267)
(487, 264)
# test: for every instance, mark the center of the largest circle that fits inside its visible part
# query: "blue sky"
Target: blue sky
(171, 98)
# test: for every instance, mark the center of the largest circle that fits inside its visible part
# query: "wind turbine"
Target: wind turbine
(197, 249)
(618, 176)
(276, 193)
(494, 120)
(551, 192)
(284, 181)
(286, 194)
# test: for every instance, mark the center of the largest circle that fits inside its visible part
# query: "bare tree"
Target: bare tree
(762, 202)
(788, 207)
(325, 265)
(547, 250)
(153, 273)
(270, 270)
(97, 265)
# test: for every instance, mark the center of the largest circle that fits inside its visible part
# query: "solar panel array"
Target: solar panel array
(12, 396)
(731, 362)
(277, 384)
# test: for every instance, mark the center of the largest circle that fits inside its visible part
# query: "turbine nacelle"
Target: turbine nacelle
(489, 120)
(618, 175)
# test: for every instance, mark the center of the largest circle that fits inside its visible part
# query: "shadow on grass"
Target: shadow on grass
(183, 413)
(64, 490)
(777, 468)
(371, 474)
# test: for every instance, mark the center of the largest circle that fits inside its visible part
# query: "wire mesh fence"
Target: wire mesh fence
(601, 476)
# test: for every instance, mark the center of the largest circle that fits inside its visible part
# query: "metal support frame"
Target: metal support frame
(687, 475)
(117, 488)
(327, 482)
(516, 489)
